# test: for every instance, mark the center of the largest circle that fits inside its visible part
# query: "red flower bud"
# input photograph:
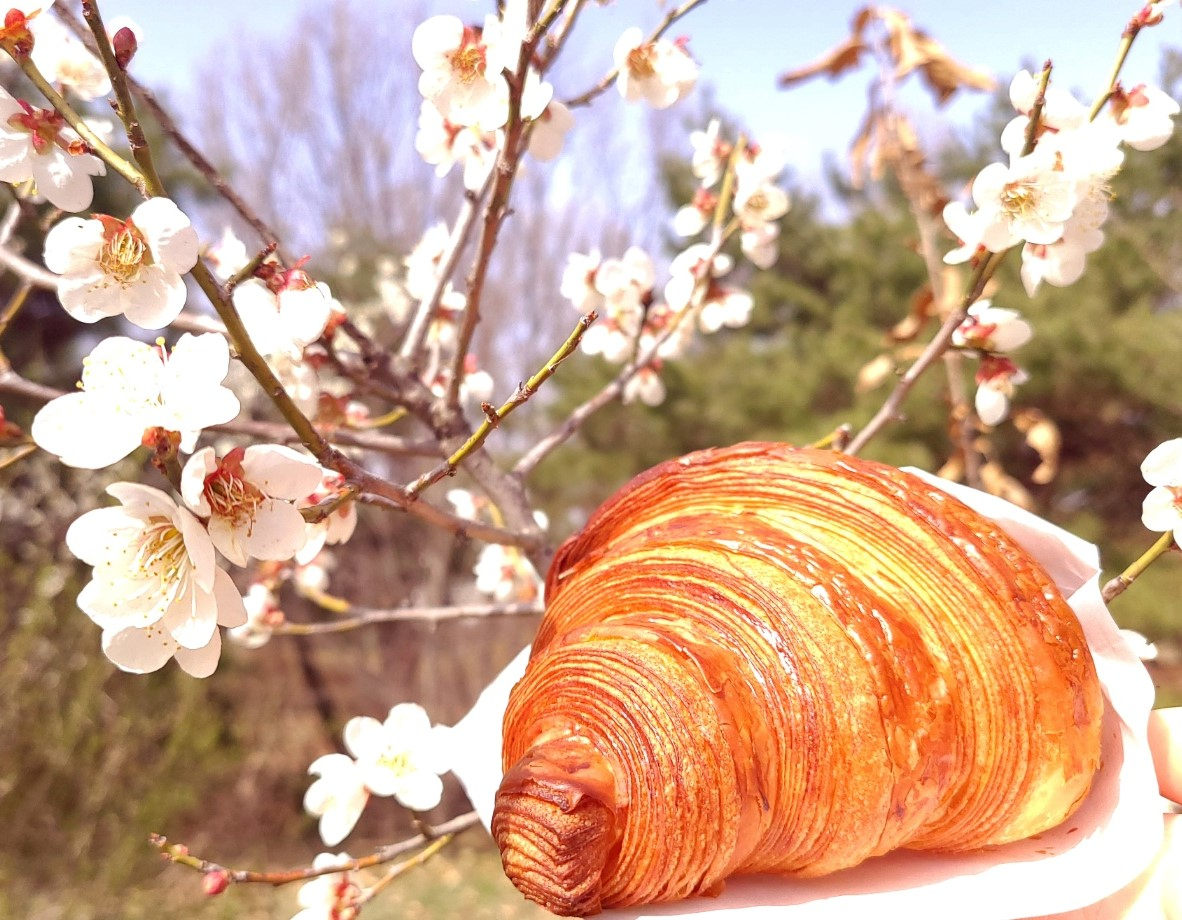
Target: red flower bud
(215, 882)
(125, 44)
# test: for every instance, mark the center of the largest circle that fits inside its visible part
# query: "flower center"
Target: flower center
(44, 126)
(344, 900)
(1021, 199)
(161, 555)
(397, 762)
(124, 252)
(641, 61)
(229, 494)
(468, 61)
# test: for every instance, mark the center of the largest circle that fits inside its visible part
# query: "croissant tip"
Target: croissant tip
(554, 823)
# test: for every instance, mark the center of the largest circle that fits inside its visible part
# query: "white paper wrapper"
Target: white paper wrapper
(1099, 850)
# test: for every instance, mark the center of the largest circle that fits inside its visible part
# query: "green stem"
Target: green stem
(1122, 581)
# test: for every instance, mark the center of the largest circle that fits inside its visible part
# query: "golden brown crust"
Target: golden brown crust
(772, 659)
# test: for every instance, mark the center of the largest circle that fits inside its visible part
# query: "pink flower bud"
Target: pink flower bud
(125, 44)
(215, 882)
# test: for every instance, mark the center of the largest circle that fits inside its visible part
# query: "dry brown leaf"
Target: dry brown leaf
(1044, 438)
(912, 324)
(832, 64)
(875, 373)
(1000, 483)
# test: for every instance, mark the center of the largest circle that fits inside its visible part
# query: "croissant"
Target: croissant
(767, 659)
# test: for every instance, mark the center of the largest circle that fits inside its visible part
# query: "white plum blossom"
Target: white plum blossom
(760, 244)
(443, 144)
(1143, 116)
(129, 387)
(333, 896)
(462, 67)
(64, 60)
(659, 72)
(1162, 508)
(425, 261)
(248, 497)
(1062, 262)
(1061, 113)
(645, 385)
(36, 145)
(337, 797)
(549, 132)
(992, 329)
(997, 376)
(337, 527)
(626, 282)
(263, 614)
(156, 590)
(692, 219)
(285, 311)
(710, 153)
(402, 756)
(969, 228)
(133, 267)
(1030, 199)
(578, 281)
(757, 200)
(228, 255)
(505, 574)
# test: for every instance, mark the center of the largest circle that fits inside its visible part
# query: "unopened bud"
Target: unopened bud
(125, 44)
(215, 882)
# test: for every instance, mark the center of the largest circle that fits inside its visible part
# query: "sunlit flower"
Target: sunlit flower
(335, 896)
(1162, 469)
(710, 154)
(263, 614)
(645, 385)
(285, 312)
(248, 497)
(36, 145)
(992, 329)
(462, 66)
(505, 574)
(155, 591)
(760, 244)
(1027, 200)
(997, 376)
(692, 219)
(1062, 262)
(402, 756)
(337, 797)
(659, 72)
(1143, 115)
(550, 130)
(578, 281)
(64, 60)
(128, 387)
(131, 267)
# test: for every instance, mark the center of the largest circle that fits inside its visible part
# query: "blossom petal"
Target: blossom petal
(192, 617)
(1162, 466)
(276, 533)
(1159, 512)
(420, 790)
(231, 608)
(155, 299)
(78, 428)
(364, 737)
(201, 662)
(67, 239)
(139, 651)
(280, 471)
(169, 233)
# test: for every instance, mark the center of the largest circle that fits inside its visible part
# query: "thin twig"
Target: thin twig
(403, 867)
(179, 854)
(493, 416)
(1121, 582)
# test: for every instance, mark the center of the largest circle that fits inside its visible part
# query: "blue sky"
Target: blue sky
(742, 46)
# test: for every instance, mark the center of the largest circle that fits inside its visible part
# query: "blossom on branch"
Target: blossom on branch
(36, 145)
(248, 497)
(335, 896)
(1162, 508)
(337, 527)
(284, 310)
(129, 387)
(659, 72)
(337, 797)
(1143, 116)
(402, 756)
(156, 590)
(132, 267)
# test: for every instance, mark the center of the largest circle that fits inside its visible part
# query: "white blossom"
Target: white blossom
(1162, 508)
(286, 312)
(132, 267)
(128, 387)
(337, 797)
(336, 527)
(645, 385)
(64, 60)
(992, 329)
(333, 896)
(248, 497)
(1027, 200)
(1143, 116)
(505, 574)
(659, 72)
(36, 145)
(155, 591)
(402, 756)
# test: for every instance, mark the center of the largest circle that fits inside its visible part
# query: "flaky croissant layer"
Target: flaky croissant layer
(764, 659)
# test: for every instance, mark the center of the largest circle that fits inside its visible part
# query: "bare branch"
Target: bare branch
(361, 616)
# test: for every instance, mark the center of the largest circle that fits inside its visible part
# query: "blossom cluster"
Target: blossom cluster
(636, 326)
(1051, 198)
(402, 756)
